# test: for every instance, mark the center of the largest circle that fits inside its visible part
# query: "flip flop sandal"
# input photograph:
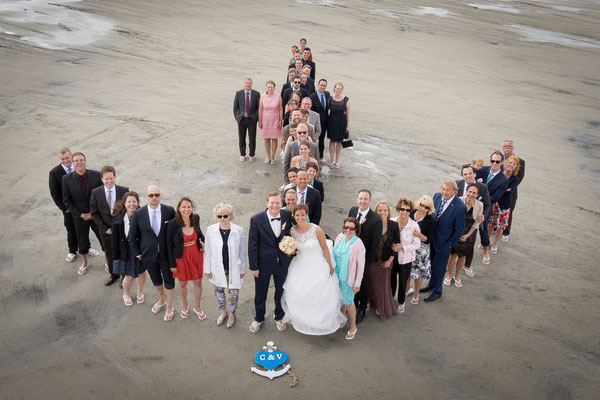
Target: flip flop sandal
(486, 260)
(184, 313)
(458, 283)
(200, 314)
(168, 316)
(83, 269)
(351, 335)
(92, 252)
(447, 281)
(140, 299)
(127, 301)
(157, 307)
(255, 326)
(70, 257)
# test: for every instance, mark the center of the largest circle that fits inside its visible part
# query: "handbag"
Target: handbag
(347, 142)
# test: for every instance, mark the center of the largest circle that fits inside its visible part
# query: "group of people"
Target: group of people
(304, 111)
(328, 283)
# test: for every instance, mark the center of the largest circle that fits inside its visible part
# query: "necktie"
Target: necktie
(70, 169)
(489, 178)
(301, 197)
(248, 104)
(154, 223)
(323, 100)
(109, 201)
(276, 219)
(441, 210)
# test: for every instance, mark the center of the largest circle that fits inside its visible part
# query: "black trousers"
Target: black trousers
(261, 290)
(71, 232)
(160, 273)
(512, 212)
(107, 245)
(322, 141)
(247, 124)
(82, 228)
(362, 297)
(398, 278)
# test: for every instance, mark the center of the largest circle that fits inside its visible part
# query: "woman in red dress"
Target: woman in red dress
(185, 246)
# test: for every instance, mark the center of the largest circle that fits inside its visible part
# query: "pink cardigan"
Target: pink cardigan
(410, 243)
(356, 261)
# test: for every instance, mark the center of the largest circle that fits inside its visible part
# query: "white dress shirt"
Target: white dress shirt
(113, 194)
(445, 205)
(68, 170)
(158, 216)
(275, 224)
(361, 215)
(126, 224)
(302, 195)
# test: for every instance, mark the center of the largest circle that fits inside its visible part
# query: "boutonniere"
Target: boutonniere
(283, 226)
(363, 220)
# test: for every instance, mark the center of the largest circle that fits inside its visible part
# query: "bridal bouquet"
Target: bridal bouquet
(288, 246)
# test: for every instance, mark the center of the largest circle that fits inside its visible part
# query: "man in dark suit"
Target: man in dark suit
(468, 174)
(497, 184)
(148, 239)
(320, 104)
(309, 196)
(450, 217)
(267, 228)
(245, 111)
(291, 75)
(293, 149)
(306, 83)
(508, 149)
(76, 192)
(295, 88)
(306, 60)
(102, 205)
(55, 183)
(370, 234)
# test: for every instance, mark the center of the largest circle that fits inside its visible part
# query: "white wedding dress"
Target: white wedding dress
(311, 297)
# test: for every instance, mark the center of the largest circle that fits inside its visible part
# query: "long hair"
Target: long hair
(179, 217)
(120, 205)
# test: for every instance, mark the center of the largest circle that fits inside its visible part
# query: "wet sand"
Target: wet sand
(430, 83)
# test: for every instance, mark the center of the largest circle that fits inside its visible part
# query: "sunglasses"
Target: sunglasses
(153, 195)
(425, 207)
(222, 216)
(495, 161)
(404, 210)
(296, 82)
(349, 228)
(302, 132)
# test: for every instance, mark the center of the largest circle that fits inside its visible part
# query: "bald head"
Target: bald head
(153, 196)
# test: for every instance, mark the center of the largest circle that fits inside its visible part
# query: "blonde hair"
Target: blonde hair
(451, 183)
(477, 160)
(425, 200)
(387, 205)
(516, 171)
(224, 208)
(339, 84)
(271, 82)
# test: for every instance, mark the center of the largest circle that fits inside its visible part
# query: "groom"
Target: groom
(267, 228)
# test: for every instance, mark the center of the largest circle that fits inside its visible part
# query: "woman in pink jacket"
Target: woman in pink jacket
(409, 243)
(349, 255)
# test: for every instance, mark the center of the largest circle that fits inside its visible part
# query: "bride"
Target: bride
(311, 294)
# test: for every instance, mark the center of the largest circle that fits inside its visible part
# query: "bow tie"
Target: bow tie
(276, 219)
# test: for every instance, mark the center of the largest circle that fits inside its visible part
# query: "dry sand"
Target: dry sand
(431, 84)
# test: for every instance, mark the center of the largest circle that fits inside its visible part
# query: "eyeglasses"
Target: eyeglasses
(495, 161)
(404, 210)
(349, 228)
(302, 132)
(222, 216)
(425, 207)
(153, 195)
(296, 82)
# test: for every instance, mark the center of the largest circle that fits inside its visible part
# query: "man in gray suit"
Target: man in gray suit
(245, 111)
(294, 149)
(313, 117)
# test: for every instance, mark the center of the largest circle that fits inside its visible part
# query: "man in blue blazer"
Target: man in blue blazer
(450, 216)
(497, 184)
(149, 227)
(267, 228)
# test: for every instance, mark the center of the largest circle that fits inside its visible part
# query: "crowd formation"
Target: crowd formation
(374, 258)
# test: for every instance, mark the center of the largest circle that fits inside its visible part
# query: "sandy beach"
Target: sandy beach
(148, 86)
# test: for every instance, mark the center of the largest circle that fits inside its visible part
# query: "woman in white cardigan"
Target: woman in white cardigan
(225, 259)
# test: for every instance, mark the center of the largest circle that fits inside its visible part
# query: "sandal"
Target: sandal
(486, 260)
(480, 246)
(71, 257)
(351, 335)
(92, 252)
(106, 268)
(268, 161)
(414, 301)
(281, 326)
(140, 299)
(401, 308)
(127, 301)
(157, 307)
(273, 161)
(255, 326)
(331, 165)
(469, 272)
(83, 269)
(447, 281)
(168, 316)
(184, 313)
(494, 250)
(338, 165)
(458, 283)
(200, 314)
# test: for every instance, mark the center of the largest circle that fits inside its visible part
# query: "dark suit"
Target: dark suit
(76, 199)
(309, 86)
(497, 186)
(317, 184)
(264, 255)
(288, 93)
(323, 113)
(370, 234)
(313, 201)
(103, 218)
(449, 227)
(55, 183)
(121, 247)
(246, 122)
(313, 68)
(484, 197)
(152, 248)
(521, 175)
(175, 239)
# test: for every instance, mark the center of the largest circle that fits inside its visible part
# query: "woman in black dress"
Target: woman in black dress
(338, 123)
